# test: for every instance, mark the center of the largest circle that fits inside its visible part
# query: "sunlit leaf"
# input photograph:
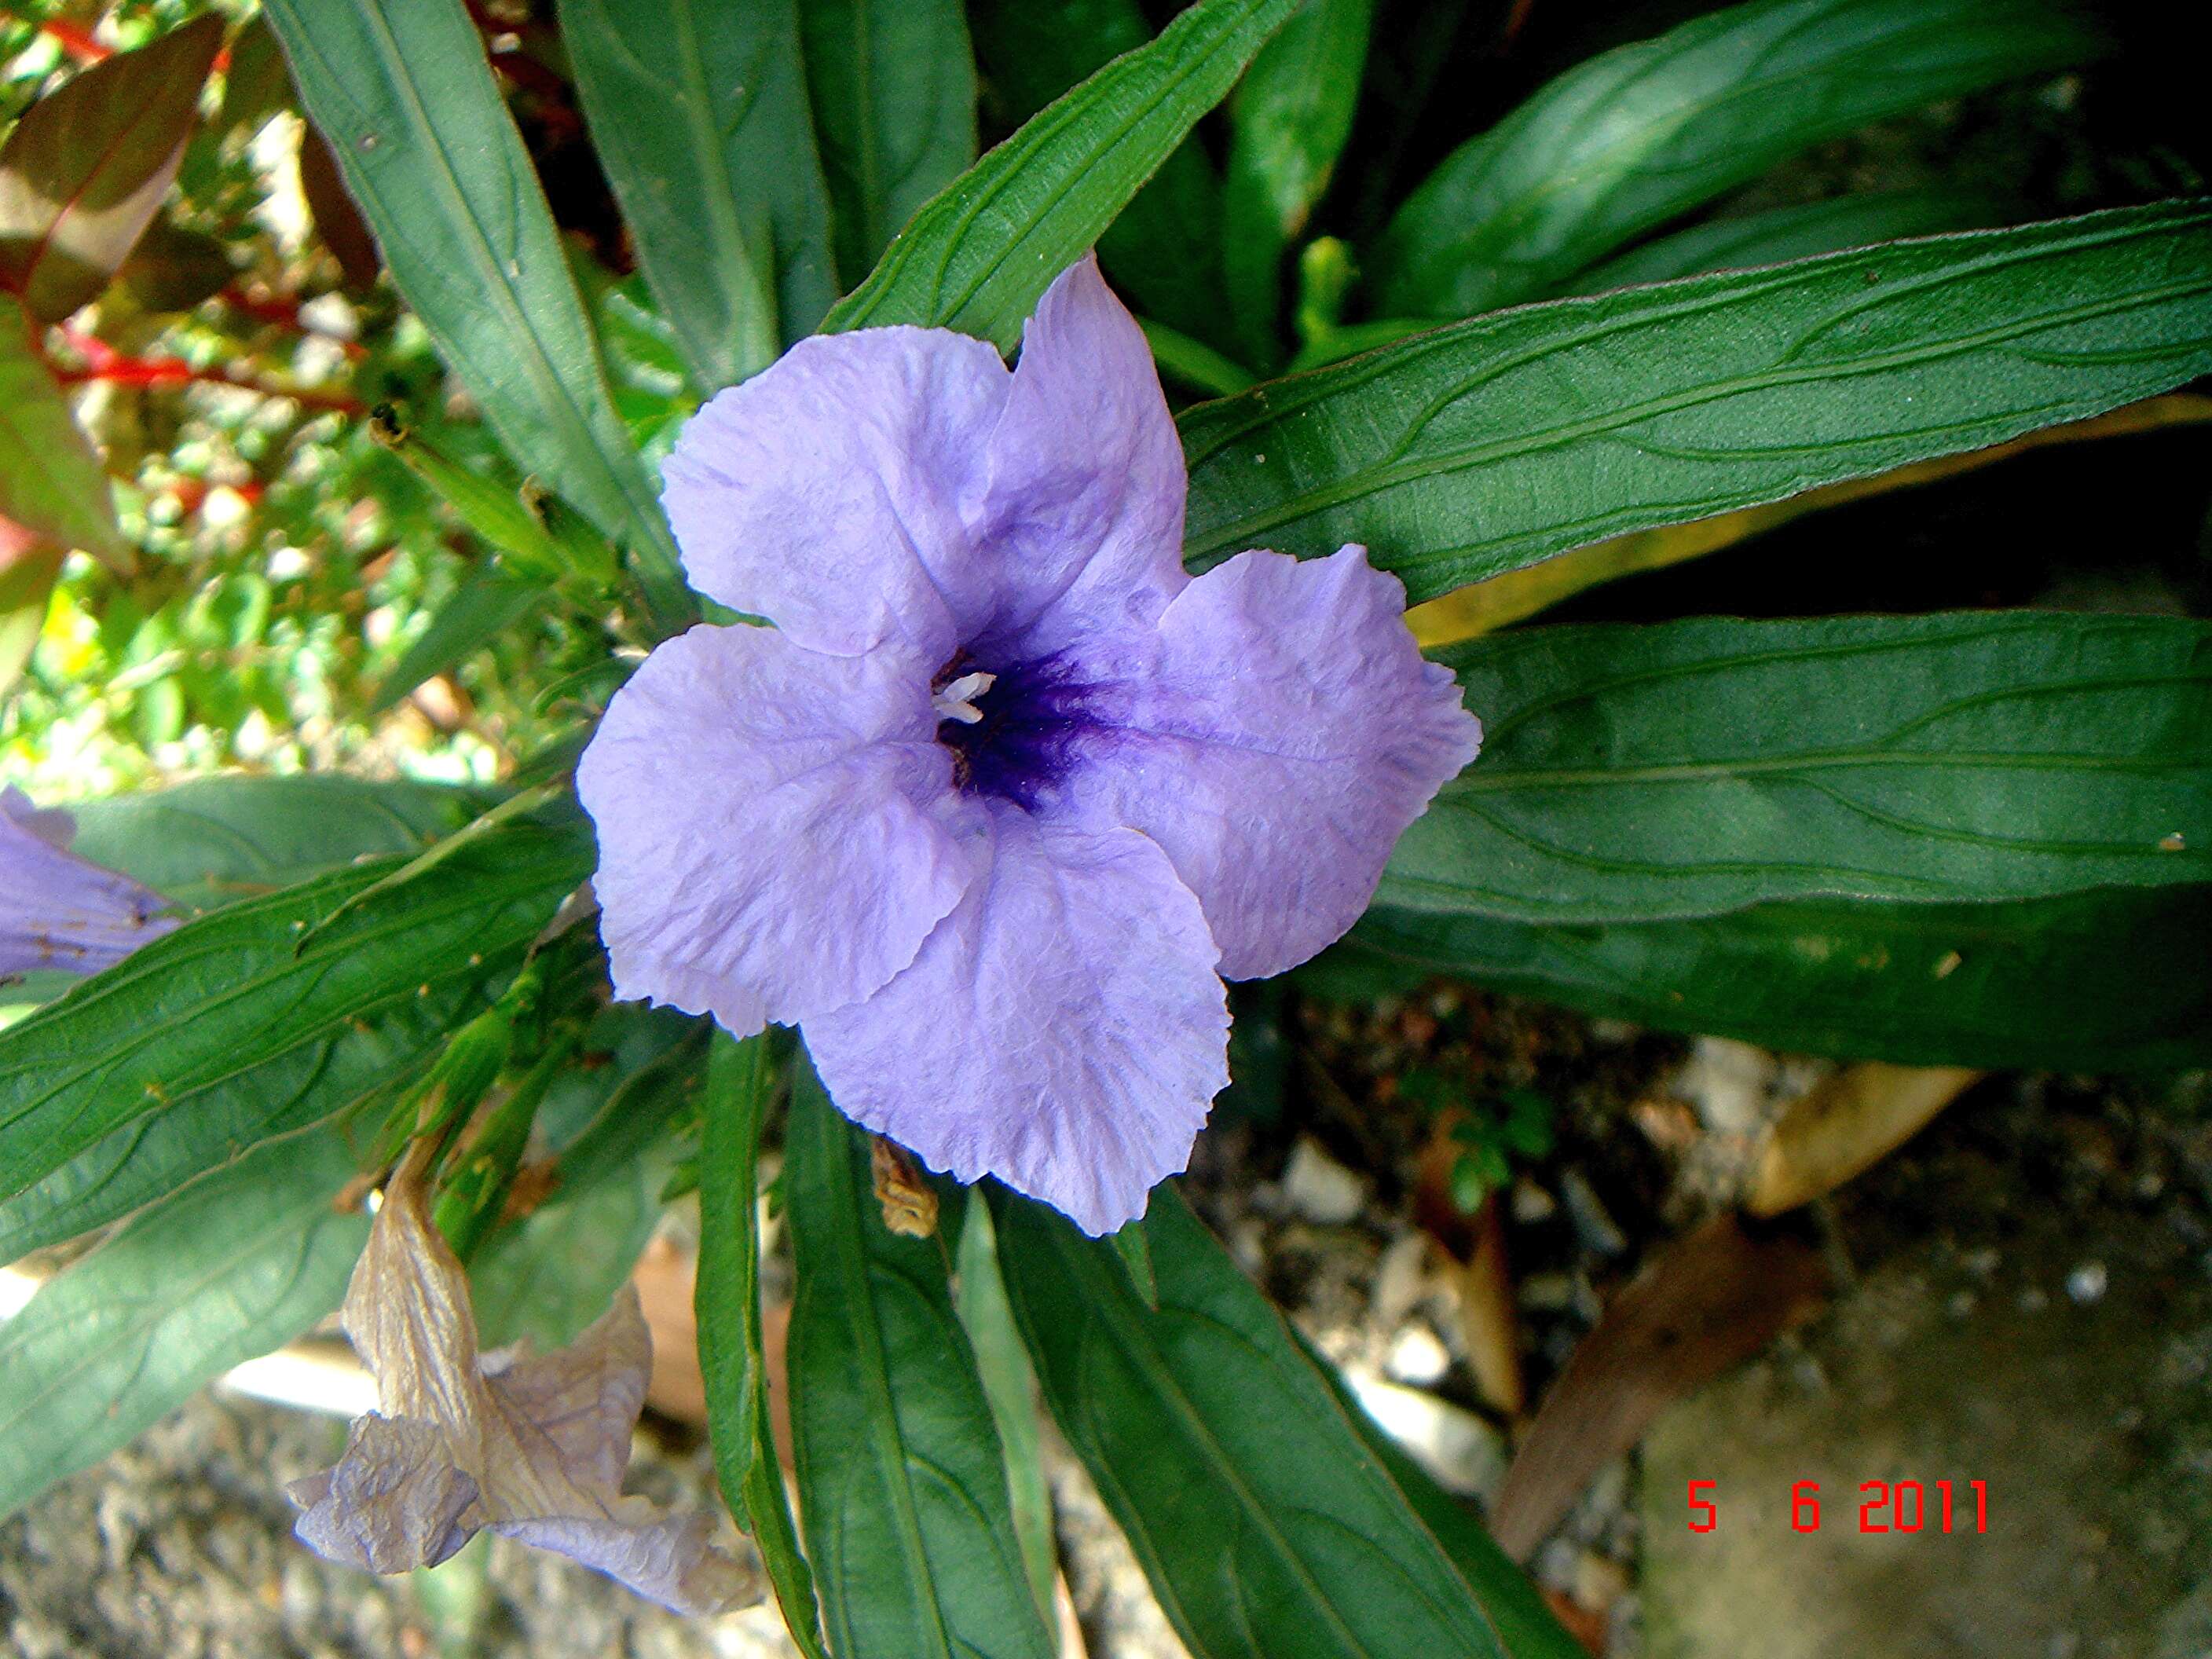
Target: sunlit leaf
(229, 1269)
(466, 231)
(84, 170)
(1010, 1383)
(51, 487)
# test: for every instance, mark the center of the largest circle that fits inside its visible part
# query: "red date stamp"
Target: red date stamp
(1884, 1506)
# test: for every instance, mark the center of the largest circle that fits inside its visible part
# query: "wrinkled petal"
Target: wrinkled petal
(1063, 1029)
(1277, 744)
(827, 493)
(583, 1398)
(532, 1447)
(670, 1559)
(1084, 520)
(394, 1503)
(57, 910)
(778, 829)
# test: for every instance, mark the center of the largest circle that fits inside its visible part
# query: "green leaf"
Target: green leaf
(87, 167)
(549, 1275)
(487, 604)
(172, 269)
(1638, 773)
(29, 567)
(980, 256)
(699, 114)
(255, 84)
(1134, 1247)
(1492, 445)
(53, 488)
(1526, 1627)
(209, 840)
(402, 90)
(1164, 250)
(1009, 1384)
(732, 1359)
(893, 85)
(234, 1266)
(232, 1117)
(235, 988)
(1288, 123)
(2113, 980)
(1640, 135)
(1781, 234)
(1266, 1526)
(901, 1480)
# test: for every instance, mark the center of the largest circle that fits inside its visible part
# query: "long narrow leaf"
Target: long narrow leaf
(979, 255)
(1780, 234)
(1267, 1528)
(1492, 445)
(2112, 981)
(1641, 772)
(228, 1269)
(732, 1357)
(1631, 139)
(233, 989)
(147, 1159)
(901, 1480)
(403, 92)
(1164, 250)
(1288, 121)
(893, 84)
(207, 842)
(699, 115)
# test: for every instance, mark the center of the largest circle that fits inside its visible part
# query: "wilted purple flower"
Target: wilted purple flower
(532, 1447)
(1004, 792)
(57, 910)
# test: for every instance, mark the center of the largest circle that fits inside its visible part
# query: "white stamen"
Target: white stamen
(957, 701)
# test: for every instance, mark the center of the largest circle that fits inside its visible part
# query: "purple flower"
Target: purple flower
(1004, 793)
(533, 1447)
(57, 910)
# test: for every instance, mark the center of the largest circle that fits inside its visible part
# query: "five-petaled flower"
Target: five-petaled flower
(532, 1446)
(60, 911)
(1004, 794)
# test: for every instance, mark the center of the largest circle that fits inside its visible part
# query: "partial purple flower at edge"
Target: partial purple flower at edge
(1004, 794)
(533, 1447)
(57, 910)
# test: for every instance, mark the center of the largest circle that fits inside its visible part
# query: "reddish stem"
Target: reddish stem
(103, 362)
(77, 40)
(80, 44)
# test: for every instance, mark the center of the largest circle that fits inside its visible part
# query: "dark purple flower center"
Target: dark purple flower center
(1030, 721)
